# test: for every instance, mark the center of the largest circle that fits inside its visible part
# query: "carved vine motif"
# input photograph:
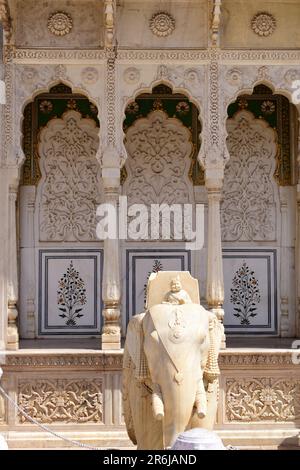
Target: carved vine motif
(159, 150)
(245, 294)
(71, 187)
(262, 399)
(158, 146)
(249, 204)
(71, 296)
(61, 401)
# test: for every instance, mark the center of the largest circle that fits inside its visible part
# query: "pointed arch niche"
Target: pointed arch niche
(60, 256)
(162, 139)
(257, 216)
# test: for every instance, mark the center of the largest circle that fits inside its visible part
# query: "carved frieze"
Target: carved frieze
(71, 179)
(79, 361)
(262, 399)
(248, 210)
(61, 400)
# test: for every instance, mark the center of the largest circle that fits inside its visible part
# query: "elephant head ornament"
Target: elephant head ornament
(170, 370)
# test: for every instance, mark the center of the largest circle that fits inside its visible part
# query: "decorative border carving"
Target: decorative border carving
(276, 56)
(26, 55)
(78, 361)
(111, 97)
(237, 359)
(159, 55)
(199, 55)
(114, 361)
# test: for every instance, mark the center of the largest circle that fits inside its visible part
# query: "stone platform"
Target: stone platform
(77, 394)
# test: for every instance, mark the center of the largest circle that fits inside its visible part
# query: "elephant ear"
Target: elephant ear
(136, 390)
(134, 346)
(216, 332)
(127, 378)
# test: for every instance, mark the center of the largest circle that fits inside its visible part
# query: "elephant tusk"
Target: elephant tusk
(157, 403)
(201, 401)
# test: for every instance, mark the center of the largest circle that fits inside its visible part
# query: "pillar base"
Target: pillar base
(111, 332)
(12, 338)
(109, 342)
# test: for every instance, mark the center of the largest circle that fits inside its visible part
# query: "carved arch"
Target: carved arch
(176, 105)
(35, 117)
(250, 193)
(71, 185)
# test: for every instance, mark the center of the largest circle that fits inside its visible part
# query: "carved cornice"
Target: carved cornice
(113, 361)
(45, 55)
(239, 359)
(57, 55)
(277, 56)
(98, 360)
(159, 55)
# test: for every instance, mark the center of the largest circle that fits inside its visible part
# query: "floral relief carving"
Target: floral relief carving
(61, 400)
(71, 180)
(132, 75)
(60, 23)
(234, 77)
(248, 210)
(291, 75)
(90, 75)
(162, 24)
(263, 24)
(158, 146)
(159, 150)
(262, 399)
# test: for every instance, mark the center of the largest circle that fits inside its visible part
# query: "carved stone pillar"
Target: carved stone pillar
(12, 330)
(111, 291)
(298, 238)
(27, 267)
(214, 282)
(3, 257)
(284, 265)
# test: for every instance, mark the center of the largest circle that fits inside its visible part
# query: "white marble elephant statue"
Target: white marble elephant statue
(170, 372)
